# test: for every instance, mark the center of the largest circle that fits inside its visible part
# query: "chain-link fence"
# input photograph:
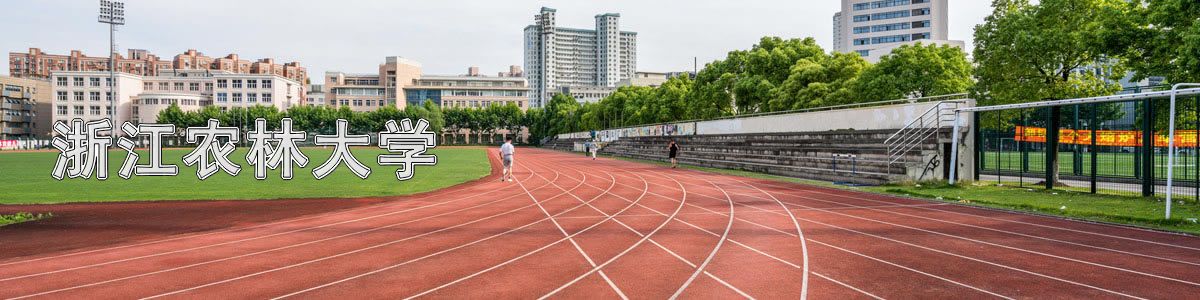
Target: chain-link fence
(1109, 147)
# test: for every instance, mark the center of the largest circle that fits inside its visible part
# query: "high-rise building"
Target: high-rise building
(20, 102)
(37, 64)
(560, 57)
(874, 27)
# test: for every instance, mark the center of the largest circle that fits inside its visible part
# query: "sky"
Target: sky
(445, 36)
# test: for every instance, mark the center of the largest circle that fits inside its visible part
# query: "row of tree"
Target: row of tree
(454, 124)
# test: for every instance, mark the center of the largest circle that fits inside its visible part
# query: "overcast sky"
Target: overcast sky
(446, 36)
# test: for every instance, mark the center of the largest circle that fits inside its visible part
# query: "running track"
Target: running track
(570, 227)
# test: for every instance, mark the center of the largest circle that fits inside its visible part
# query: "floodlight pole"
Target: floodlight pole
(112, 12)
(1171, 146)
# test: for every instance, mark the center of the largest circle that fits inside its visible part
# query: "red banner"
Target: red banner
(1119, 138)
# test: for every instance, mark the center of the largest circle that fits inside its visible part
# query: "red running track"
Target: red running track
(571, 227)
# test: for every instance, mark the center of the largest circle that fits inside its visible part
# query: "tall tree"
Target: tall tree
(1055, 49)
(913, 71)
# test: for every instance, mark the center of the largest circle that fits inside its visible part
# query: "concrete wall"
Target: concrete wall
(868, 118)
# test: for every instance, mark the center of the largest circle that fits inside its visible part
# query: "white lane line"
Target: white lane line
(681, 203)
(724, 236)
(1014, 233)
(450, 250)
(799, 233)
(847, 286)
(752, 212)
(572, 240)
(790, 234)
(644, 238)
(196, 235)
(280, 248)
(366, 248)
(236, 241)
(1009, 232)
(1142, 230)
(1009, 247)
(942, 252)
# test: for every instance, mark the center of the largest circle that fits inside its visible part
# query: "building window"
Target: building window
(251, 97)
(194, 86)
(79, 110)
(266, 83)
(864, 53)
(94, 96)
(78, 96)
(221, 83)
(237, 97)
(108, 109)
(208, 86)
(78, 81)
(94, 110)
(62, 96)
(62, 109)
(179, 86)
(863, 41)
(237, 83)
(95, 81)
(107, 96)
(164, 86)
(266, 97)
(222, 98)
(62, 81)
(251, 84)
(147, 86)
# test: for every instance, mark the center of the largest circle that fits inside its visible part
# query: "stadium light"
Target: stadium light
(112, 12)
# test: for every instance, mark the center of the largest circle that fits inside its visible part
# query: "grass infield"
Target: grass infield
(26, 178)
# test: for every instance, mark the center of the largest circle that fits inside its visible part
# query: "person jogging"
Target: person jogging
(593, 149)
(506, 157)
(672, 152)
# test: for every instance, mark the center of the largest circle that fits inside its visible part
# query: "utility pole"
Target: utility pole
(112, 12)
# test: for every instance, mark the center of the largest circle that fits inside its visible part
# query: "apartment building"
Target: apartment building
(315, 95)
(557, 57)
(85, 94)
(20, 102)
(371, 91)
(39, 65)
(468, 91)
(872, 28)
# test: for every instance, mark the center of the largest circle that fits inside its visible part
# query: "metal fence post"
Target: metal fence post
(1147, 148)
(1052, 146)
(979, 145)
(1094, 126)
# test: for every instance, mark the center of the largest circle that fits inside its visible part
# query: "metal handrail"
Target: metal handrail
(925, 125)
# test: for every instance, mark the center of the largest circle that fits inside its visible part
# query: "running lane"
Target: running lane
(572, 227)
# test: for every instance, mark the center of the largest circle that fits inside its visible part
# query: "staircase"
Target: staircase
(904, 147)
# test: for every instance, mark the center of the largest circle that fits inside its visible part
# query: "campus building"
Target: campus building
(400, 82)
(20, 102)
(37, 64)
(468, 91)
(371, 91)
(560, 57)
(315, 95)
(586, 94)
(86, 94)
(872, 28)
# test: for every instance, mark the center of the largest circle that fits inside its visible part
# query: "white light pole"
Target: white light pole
(112, 12)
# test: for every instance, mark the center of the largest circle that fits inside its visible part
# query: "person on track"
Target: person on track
(593, 149)
(673, 150)
(506, 157)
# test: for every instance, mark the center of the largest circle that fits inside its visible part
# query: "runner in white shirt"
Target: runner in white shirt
(506, 156)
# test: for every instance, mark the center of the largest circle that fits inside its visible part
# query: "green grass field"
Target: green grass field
(26, 179)
(1109, 164)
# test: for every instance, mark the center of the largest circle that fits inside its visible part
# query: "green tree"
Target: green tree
(913, 71)
(1051, 50)
(821, 80)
